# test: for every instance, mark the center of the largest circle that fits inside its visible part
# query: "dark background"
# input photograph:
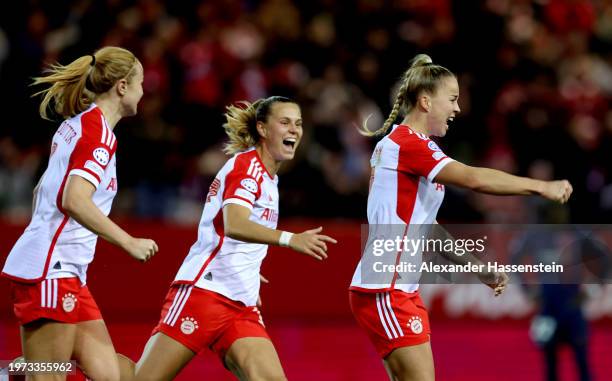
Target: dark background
(535, 76)
(536, 85)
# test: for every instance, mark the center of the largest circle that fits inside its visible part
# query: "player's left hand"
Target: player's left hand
(495, 280)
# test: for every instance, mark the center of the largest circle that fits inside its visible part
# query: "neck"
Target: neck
(417, 122)
(110, 109)
(272, 166)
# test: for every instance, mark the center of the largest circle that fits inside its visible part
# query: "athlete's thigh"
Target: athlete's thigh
(47, 340)
(94, 351)
(411, 363)
(162, 359)
(254, 358)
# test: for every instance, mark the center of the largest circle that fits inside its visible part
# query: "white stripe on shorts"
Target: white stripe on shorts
(49, 293)
(382, 317)
(43, 293)
(54, 293)
(180, 308)
(392, 313)
(177, 296)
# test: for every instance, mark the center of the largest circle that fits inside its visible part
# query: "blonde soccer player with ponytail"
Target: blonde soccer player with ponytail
(47, 267)
(409, 172)
(212, 301)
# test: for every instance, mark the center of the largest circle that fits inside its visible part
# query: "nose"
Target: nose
(294, 128)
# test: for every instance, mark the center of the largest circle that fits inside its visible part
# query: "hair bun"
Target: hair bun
(421, 60)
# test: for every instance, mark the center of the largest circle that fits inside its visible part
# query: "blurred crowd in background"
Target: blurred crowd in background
(535, 77)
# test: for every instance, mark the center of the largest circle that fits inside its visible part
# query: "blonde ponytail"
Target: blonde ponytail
(422, 76)
(73, 87)
(241, 127)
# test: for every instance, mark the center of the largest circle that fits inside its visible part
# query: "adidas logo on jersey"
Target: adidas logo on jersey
(255, 169)
(208, 276)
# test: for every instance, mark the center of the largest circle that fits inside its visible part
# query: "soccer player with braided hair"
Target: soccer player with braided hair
(409, 172)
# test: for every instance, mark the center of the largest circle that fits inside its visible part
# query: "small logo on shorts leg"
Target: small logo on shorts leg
(416, 324)
(189, 325)
(69, 302)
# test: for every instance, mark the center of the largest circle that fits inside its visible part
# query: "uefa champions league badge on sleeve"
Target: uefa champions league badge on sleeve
(101, 155)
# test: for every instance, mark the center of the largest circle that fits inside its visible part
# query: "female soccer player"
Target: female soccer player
(212, 301)
(408, 170)
(47, 266)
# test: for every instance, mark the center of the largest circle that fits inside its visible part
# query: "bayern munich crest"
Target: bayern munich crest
(189, 325)
(416, 324)
(69, 302)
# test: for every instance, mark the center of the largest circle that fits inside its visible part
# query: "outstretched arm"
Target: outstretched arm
(77, 203)
(237, 225)
(492, 181)
(495, 280)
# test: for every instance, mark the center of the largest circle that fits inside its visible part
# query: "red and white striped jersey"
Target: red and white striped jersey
(222, 264)
(54, 245)
(402, 193)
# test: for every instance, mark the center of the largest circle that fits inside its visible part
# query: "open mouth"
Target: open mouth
(450, 120)
(290, 142)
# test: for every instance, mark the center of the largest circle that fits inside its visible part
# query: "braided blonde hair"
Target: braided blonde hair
(422, 76)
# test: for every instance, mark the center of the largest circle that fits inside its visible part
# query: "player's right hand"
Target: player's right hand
(559, 191)
(141, 249)
(311, 243)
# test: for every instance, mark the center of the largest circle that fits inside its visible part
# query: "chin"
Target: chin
(285, 157)
(441, 133)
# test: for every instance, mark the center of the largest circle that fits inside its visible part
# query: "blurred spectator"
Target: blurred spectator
(537, 88)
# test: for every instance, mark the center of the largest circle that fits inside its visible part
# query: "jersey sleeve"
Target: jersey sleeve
(422, 157)
(93, 151)
(241, 188)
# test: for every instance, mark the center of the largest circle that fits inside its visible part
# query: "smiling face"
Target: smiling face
(443, 107)
(282, 131)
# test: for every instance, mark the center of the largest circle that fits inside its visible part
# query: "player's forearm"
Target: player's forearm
(492, 181)
(249, 231)
(86, 213)
(440, 233)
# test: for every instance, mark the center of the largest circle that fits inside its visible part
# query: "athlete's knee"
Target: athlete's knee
(403, 374)
(265, 376)
(254, 369)
(102, 371)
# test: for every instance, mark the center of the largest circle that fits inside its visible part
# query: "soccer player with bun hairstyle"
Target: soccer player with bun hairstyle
(213, 299)
(47, 266)
(409, 172)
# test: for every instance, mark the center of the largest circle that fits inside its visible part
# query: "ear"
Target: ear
(425, 102)
(122, 86)
(261, 128)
